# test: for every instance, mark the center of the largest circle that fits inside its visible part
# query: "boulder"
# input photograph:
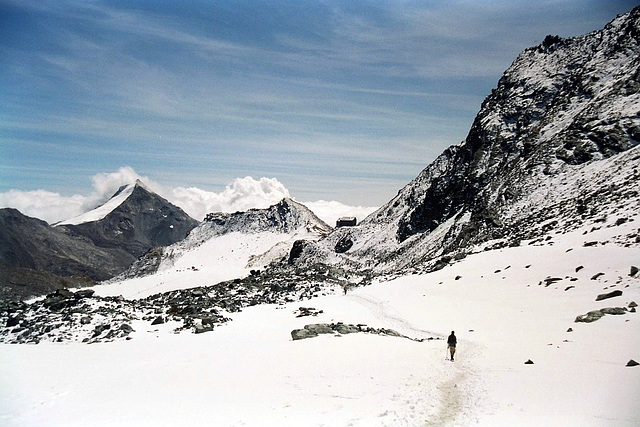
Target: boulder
(158, 321)
(343, 245)
(300, 334)
(12, 321)
(100, 329)
(201, 329)
(528, 362)
(633, 271)
(551, 280)
(84, 293)
(611, 294)
(632, 363)
(64, 293)
(591, 316)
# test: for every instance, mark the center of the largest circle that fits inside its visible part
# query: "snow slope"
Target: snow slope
(218, 259)
(250, 372)
(224, 247)
(105, 209)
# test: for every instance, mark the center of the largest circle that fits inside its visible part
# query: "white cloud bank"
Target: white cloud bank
(242, 194)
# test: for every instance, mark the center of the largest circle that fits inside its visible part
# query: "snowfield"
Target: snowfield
(250, 372)
(218, 259)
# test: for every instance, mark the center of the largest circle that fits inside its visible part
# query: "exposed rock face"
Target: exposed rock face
(560, 107)
(558, 104)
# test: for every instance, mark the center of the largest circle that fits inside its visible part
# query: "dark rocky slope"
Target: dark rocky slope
(36, 258)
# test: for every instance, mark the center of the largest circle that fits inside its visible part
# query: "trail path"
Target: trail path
(449, 392)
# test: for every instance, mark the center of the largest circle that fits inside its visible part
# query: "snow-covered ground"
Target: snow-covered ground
(250, 372)
(217, 259)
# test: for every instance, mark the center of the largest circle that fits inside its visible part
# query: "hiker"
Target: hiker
(452, 341)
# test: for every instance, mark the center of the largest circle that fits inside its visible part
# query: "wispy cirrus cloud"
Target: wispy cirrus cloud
(317, 93)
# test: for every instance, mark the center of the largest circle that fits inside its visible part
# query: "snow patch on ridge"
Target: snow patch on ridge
(102, 211)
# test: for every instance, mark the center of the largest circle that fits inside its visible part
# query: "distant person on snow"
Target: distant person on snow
(452, 341)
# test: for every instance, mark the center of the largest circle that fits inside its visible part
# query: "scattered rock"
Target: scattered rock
(569, 287)
(632, 363)
(632, 304)
(580, 267)
(611, 294)
(596, 276)
(587, 244)
(307, 311)
(551, 280)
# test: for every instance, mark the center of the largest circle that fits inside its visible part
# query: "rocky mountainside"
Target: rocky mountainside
(552, 143)
(36, 258)
(276, 225)
(139, 222)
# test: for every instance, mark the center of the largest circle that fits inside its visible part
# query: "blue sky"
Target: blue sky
(337, 100)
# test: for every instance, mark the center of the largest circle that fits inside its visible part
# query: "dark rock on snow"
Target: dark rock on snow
(608, 295)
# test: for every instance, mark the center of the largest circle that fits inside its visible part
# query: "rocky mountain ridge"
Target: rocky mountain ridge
(558, 114)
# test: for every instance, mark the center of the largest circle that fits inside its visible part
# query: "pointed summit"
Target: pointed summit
(135, 219)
